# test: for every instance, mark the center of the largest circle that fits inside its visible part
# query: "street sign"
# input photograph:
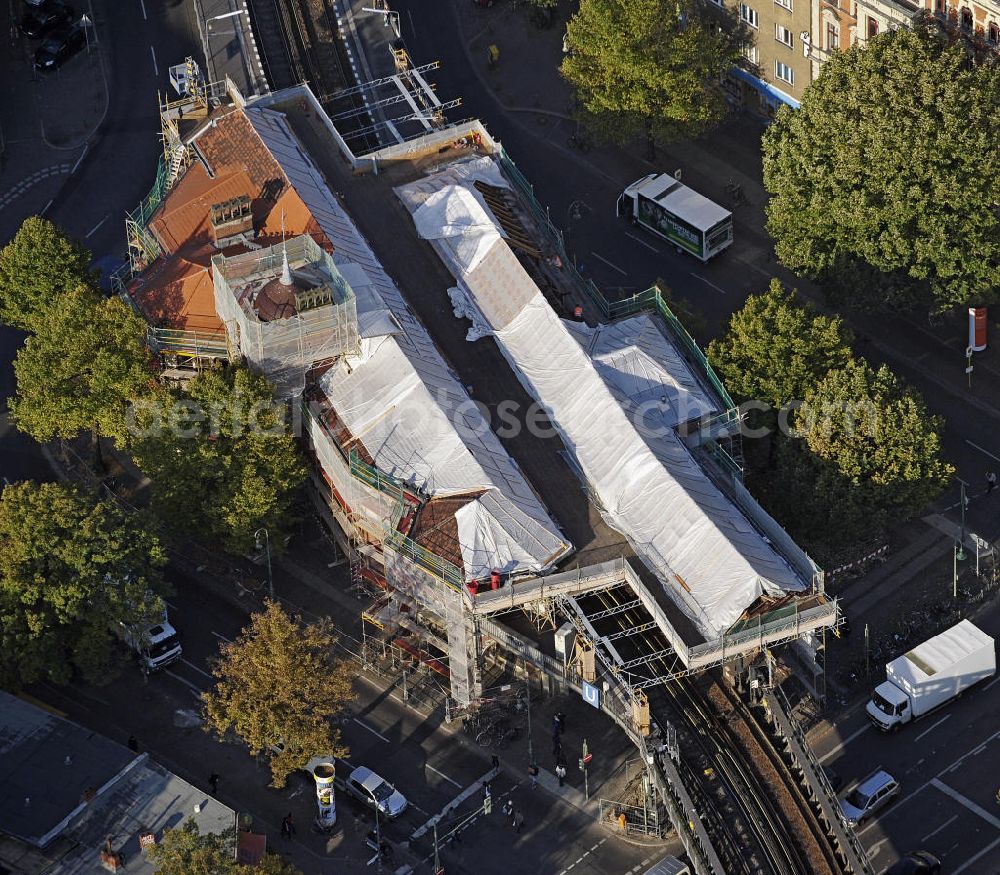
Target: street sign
(587, 759)
(591, 695)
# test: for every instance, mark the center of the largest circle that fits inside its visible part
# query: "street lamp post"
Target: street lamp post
(267, 546)
(962, 502)
(527, 687)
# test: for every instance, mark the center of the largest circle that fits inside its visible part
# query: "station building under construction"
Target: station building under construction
(499, 449)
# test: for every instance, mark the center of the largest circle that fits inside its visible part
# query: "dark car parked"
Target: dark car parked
(914, 863)
(60, 47)
(40, 20)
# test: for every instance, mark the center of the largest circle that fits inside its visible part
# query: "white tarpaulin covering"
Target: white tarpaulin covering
(713, 564)
(455, 216)
(645, 371)
(429, 432)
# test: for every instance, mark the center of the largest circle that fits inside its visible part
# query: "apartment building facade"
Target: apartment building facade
(779, 56)
(792, 39)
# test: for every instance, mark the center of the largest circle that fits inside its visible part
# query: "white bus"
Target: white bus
(677, 213)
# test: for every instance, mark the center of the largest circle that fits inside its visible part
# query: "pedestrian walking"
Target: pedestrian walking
(133, 744)
(213, 782)
(495, 762)
(486, 792)
(518, 821)
(991, 481)
(561, 773)
(556, 729)
(556, 747)
(533, 772)
(508, 809)
(287, 827)
(560, 718)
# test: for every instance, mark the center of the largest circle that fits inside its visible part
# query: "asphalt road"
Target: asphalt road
(140, 39)
(948, 766)
(422, 758)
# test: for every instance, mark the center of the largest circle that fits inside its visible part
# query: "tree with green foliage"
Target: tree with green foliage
(878, 434)
(881, 182)
(37, 266)
(185, 850)
(86, 363)
(776, 348)
(69, 566)
(280, 682)
(651, 67)
(825, 512)
(863, 455)
(222, 461)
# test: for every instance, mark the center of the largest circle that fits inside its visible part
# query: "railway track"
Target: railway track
(759, 820)
(817, 855)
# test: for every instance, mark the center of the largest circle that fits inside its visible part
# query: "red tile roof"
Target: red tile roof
(176, 291)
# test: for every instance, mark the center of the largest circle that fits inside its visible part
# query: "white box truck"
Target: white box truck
(932, 674)
(662, 204)
(155, 645)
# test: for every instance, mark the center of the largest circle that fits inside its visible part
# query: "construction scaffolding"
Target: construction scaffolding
(321, 321)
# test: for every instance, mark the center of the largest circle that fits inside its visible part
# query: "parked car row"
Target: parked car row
(60, 26)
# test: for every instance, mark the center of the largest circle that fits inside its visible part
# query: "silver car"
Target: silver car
(868, 797)
(376, 792)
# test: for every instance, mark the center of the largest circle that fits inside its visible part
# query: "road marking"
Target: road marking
(78, 160)
(984, 452)
(45, 209)
(949, 768)
(156, 67)
(223, 637)
(609, 264)
(642, 242)
(184, 681)
(982, 853)
(876, 849)
(374, 732)
(844, 743)
(932, 728)
(442, 775)
(587, 854)
(191, 665)
(698, 276)
(990, 684)
(98, 225)
(968, 803)
(143, 7)
(944, 825)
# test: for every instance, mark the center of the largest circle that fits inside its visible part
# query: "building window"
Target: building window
(993, 33)
(783, 35)
(751, 53)
(784, 72)
(872, 27)
(786, 3)
(748, 15)
(832, 37)
(966, 18)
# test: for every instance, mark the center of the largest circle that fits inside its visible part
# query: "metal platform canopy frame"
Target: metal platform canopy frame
(785, 623)
(406, 86)
(283, 349)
